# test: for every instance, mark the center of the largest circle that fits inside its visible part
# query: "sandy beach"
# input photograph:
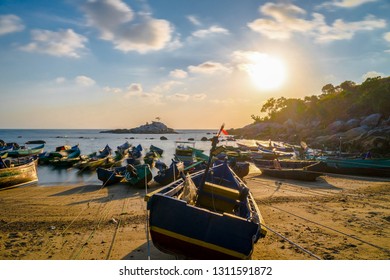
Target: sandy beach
(337, 217)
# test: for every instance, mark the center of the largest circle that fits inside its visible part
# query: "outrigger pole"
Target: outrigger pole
(213, 147)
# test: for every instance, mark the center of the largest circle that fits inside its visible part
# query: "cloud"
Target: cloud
(286, 19)
(135, 88)
(209, 67)
(194, 20)
(182, 97)
(371, 74)
(114, 90)
(215, 29)
(386, 36)
(10, 24)
(341, 30)
(199, 97)
(84, 81)
(178, 74)
(117, 23)
(346, 3)
(179, 97)
(60, 80)
(64, 43)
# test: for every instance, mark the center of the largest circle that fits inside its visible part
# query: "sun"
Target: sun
(266, 72)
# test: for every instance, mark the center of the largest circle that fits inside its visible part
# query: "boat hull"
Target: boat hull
(294, 174)
(222, 221)
(334, 167)
(18, 175)
(197, 233)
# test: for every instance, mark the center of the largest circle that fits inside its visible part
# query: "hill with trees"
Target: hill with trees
(357, 115)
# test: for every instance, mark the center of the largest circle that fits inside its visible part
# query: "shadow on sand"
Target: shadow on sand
(141, 253)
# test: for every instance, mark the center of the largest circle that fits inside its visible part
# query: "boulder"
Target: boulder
(336, 126)
(352, 123)
(371, 120)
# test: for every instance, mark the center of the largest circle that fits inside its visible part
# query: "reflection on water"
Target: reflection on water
(49, 176)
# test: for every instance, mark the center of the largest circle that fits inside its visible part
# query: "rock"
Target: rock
(204, 138)
(355, 132)
(371, 120)
(163, 138)
(352, 123)
(153, 128)
(336, 126)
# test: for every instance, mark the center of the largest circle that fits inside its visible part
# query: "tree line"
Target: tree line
(342, 102)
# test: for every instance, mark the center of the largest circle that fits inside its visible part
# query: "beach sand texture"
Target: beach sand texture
(337, 217)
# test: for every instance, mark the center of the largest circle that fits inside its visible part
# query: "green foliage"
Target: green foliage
(342, 102)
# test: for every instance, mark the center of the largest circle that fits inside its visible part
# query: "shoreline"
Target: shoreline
(337, 217)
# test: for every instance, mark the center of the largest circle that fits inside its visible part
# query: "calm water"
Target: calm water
(91, 141)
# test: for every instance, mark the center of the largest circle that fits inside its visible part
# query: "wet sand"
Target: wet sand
(337, 217)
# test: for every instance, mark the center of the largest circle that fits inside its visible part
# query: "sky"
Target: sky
(191, 64)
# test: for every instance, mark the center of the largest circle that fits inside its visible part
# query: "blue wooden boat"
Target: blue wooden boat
(156, 150)
(209, 214)
(136, 176)
(223, 223)
(26, 152)
(169, 174)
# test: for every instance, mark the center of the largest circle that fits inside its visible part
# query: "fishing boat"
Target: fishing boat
(17, 174)
(59, 153)
(169, 174)
(69, 160)
(209, 214)
(26, 152)
(291, 173)
(284, 163)
(136, 176)
(156, 149)
(94, 160)
(185, 152)
(353, 166)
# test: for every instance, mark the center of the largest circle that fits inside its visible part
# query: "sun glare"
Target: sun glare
(266, 72)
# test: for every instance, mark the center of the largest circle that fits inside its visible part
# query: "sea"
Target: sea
(91, 140)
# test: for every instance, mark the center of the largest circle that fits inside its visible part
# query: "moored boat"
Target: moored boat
(357, 166)
(26, 152)
(290, 173)
(209, 214)
(136, 176)
(12, 175)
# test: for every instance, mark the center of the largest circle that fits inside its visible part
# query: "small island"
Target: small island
(148, 128)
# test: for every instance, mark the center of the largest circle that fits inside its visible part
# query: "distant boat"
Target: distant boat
(94, 161)
(26, 152)
(36, 142)
(156, 149)
(185, 152)
(12, 175)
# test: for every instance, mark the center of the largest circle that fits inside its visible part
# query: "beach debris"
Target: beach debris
(113, 220)
(52, 227)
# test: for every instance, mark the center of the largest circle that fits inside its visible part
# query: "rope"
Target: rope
(291, 242)
(332, 229)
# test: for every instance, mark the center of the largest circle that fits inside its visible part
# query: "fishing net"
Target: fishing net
(189, 191)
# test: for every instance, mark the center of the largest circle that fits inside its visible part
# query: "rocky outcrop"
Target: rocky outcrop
(152, 128)
(356, 135)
